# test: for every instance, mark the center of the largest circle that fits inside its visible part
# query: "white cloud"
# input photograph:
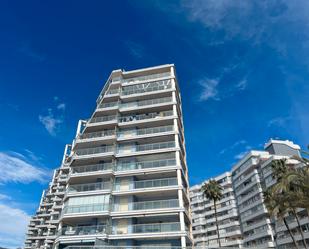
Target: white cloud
(233, 146)
(4, 197)
(61, 106)
(15, 168)
(13, 226)
(209, 90)
(50, 122)
(240, 155)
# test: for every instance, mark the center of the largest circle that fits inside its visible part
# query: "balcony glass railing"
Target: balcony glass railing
(88, 187)
(112, 91)
(145, 131)
(92, 168)
(108, 105)
(155, 146)
(145, 164)
(95, 150)
(139, 117)
(148, 77)
(156, 228)
(155, 204)
(103, 119)
(106, 133)
(82, 230)
(147, 87)
(88, 208)
(155, 183)
(146, 102)
(123, 149)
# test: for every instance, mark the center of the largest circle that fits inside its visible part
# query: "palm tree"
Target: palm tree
(286, 190)
(277, 206)
(212, 190)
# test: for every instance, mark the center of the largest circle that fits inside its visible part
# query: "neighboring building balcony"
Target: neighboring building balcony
(95, 151)
(78, 189)
(146, 207)
(91, 169)
(140, 148)
(146, 103)
(145, 132)
(140, 118)
(81, 232)
(85, 210)
(146, 185)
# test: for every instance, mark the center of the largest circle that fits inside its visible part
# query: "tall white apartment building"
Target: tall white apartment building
(203, 216)
(251, 175)
(125, 177)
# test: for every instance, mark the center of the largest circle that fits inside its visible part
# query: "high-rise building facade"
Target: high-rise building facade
(250, 176)
(125, 174)
(203, 216)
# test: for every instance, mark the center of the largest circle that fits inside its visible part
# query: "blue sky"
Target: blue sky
(243, 68)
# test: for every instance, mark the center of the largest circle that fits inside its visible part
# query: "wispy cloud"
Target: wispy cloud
(241, 85)
(54, 117)
(279, 121)
(233, 146)
(15, 167)
(29, 51)
(136, 50)
(13, 222)
(209, 89)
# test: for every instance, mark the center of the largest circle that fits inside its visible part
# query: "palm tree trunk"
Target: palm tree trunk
(290, 232)
(217, 223)
(300, 230)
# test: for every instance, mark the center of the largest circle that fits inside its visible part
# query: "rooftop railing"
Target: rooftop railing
(148, 77)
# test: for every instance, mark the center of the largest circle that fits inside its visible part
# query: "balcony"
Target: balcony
(145, 205)
(148, 116)
(100, 134)
(108, 105)
(158, 183)
(95, 150)
(123, 166)
(88, 187)
(92, 168)
(102, 119)
(144, 131)
(148, 102)
(82, 230)
(152, 228)
(149, 87)
(145, 147)
(88, 208)
(145, 78)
